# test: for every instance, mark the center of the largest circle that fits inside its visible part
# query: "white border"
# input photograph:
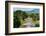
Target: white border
(13, 30)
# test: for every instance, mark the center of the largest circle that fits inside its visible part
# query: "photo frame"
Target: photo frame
(24, 17)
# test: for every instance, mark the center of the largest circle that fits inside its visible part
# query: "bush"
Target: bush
(37, 25)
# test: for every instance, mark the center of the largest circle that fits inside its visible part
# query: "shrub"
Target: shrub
(37, 25)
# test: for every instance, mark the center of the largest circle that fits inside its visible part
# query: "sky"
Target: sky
(27, 9)
(24, 9)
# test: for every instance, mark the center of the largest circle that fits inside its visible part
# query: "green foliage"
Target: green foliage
(34, 16)
(24, 15)
(20, 15)
(37, 25)
(16, 18)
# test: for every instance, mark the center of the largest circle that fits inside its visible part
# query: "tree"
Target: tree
(24, 15)
(16, 18)
(34, 16)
